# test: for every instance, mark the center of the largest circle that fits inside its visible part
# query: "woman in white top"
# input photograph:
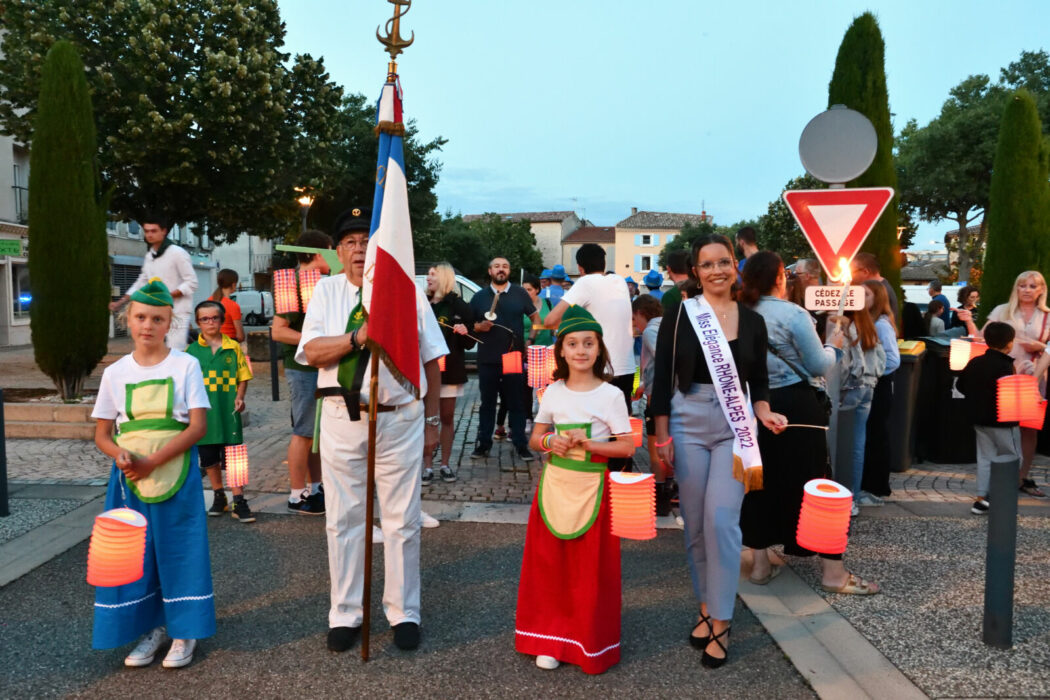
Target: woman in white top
(1028, 314)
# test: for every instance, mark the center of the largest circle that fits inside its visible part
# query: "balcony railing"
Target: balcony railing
(261, 262)
(21, 203)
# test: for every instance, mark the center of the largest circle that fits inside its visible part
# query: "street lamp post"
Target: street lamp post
(306, 200)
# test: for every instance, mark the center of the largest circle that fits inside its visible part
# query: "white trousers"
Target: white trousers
(344, 454)
(178, 337)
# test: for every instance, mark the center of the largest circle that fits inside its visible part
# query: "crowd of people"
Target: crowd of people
(741, 388)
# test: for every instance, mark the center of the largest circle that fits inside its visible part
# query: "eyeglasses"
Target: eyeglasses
(350, 243)
(723, 264)
(209, 319)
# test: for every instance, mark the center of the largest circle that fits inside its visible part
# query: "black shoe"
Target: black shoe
(979, 507)
(311, 505)
(241, 511)
(480, 453)
(218, 505)
(525, 454)
(701, 642)
(428, 476)
(406, 636)
(714, 661)
(663, 499)
(447, 474)
(342, 638)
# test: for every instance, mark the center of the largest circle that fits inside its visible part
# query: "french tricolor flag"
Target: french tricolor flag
(389, 294)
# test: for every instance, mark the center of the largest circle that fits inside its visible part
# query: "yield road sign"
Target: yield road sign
(836, 221)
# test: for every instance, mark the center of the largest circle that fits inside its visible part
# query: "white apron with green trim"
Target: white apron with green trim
(571, 489)
(150, 426)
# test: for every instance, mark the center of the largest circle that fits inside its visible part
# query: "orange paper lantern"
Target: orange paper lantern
(823, 522)
(538, 375)
(977, 348)
(441, 363)
(1018, 398)
(117, 549)
(632, 499)
(308, 279)
(637, 428)
(237, 465)
(1036, 424)
(959, 354)
(551, 363)
(512, 362)
(285, 300)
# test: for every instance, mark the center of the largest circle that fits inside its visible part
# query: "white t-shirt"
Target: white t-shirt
(603, 408)
(330, 307)
(607, 299)
(175, 269)
(182, 368)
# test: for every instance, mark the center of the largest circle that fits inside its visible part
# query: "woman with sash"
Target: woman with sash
(569, 596)
(709, 348)
(156, 398)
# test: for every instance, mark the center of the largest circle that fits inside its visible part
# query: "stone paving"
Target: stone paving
(502, 478)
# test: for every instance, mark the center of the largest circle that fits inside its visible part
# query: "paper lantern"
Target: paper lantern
(237, 465)
(637, 430)
(540, 392)
(285, 300)
(632, 499)
(117, 549)
(441, 363)
(552, 364)
(977, 348)
(823, 522)
(537, 361)
(1018, 398)
(308, 279)
(512, 362)
(959, 354)
(1036, 424)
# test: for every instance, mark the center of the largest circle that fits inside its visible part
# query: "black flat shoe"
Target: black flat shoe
(713, 661)
(406, 636)
(701, 642)
(342, 638)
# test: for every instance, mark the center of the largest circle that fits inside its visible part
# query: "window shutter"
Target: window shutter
(656, 239)
(638, 239)
(637, 263)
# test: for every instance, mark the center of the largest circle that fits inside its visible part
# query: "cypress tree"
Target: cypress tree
(1018, 202)
(859, 82)
(68, 261)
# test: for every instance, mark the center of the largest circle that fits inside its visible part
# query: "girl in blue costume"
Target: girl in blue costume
(156, 398)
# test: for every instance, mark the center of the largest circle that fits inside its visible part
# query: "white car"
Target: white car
(256, 307)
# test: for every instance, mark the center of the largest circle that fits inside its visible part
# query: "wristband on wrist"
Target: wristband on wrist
(665, 444)
(545, 442)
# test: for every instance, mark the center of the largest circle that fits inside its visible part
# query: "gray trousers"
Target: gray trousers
(994, 442)
(710, 498)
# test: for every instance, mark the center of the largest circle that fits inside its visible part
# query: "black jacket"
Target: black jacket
(749, 356)
(978, 384)
(452, 310)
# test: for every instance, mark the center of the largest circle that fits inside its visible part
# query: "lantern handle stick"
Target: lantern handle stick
(806, 425)
(370, 487)
(466, 334)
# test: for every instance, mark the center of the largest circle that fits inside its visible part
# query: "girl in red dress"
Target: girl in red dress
(569, 596)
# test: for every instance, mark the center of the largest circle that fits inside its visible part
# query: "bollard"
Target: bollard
(275, 389)
(4, 512)
(1001, 554)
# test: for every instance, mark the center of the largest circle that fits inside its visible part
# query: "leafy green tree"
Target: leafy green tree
(684, 239)
(512, 240)
(353, 184)
(69, 265)
(945, 167)
(1019, 212)
(459, 244)
(859, 82)
(197, 111)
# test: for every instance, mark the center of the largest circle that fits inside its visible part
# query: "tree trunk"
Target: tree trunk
(964, 251)
(70, 386)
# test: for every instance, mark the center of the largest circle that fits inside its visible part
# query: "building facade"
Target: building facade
(16, 292)
(642, 235)
(605, 236)
(549, 227)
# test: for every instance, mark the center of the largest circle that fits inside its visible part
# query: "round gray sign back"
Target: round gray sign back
(837, 145)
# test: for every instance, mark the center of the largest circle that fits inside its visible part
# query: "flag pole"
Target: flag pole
(370, 488)
(395, 44)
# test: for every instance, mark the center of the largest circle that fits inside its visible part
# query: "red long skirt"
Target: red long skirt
(569, 597)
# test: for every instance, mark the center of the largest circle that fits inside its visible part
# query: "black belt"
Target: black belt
(353, 401)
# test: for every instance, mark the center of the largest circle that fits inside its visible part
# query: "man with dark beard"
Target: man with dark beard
(504, 334)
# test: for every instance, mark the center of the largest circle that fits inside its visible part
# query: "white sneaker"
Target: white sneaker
(377, 535)
(854, 510)
(180, 654)
(548, 663)
(146, 649)
(428, 520)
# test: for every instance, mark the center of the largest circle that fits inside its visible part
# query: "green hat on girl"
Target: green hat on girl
(155, 293)
(577, 318)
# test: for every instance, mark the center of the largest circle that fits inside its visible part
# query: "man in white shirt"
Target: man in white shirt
(333, 340)
(607, 299)
(174, 267)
